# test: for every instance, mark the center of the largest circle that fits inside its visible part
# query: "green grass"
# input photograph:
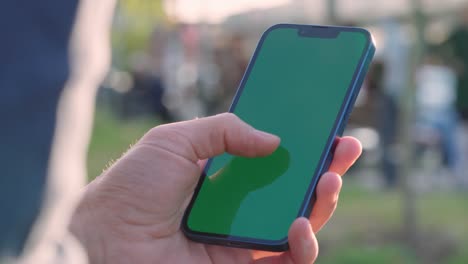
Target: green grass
(366, 227)
(358, 254)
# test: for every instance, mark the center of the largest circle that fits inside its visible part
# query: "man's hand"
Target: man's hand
(132, 213)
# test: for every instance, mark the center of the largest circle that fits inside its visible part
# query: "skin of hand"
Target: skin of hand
(132, 212)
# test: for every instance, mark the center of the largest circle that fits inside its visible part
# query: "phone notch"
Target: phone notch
(318, 32)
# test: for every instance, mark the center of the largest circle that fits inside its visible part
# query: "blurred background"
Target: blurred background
(406, 200)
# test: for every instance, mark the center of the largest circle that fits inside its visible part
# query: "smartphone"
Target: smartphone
(301, 84)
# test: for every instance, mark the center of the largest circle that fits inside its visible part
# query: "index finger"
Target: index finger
(346, 153)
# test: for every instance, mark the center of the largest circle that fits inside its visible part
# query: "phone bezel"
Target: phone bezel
(327, 154)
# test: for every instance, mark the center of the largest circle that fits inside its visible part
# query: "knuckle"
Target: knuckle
(230, 117)
(161, 134)
(170, 138)
(156, 133)
(152, 133)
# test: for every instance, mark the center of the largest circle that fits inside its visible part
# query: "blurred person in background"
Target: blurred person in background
(54, 56)
(435, 107)
(232, 61)
(181, 72)
(393, 75)
(384, 118)
(457, 45)
(147, 91)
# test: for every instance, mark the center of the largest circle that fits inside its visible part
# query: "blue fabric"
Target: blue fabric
(34, 39)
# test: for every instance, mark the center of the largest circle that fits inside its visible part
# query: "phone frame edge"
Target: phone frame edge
(308, 202)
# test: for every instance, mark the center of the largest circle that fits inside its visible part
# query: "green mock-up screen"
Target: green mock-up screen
(295, 90)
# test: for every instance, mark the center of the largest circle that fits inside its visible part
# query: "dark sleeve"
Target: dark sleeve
(33, 70)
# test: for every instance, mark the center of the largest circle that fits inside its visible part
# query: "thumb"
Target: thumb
(207, 137)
